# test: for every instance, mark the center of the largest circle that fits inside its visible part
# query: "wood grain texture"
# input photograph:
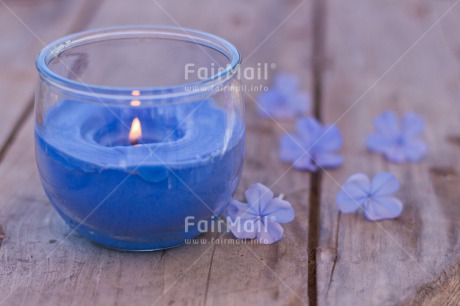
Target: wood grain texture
(392, 55)
(377, 54)
(445, 290)
(43, 264)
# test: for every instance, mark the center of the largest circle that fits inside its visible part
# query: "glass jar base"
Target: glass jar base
(130, 244)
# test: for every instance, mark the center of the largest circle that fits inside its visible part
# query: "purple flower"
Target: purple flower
(284, 100)
(261, 217)
(373, 197)
(398, 140)
(313, 146)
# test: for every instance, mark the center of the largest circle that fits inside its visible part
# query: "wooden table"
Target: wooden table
(358, 58)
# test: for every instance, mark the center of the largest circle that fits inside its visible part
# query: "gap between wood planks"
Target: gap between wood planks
(318, 52)
(87, 13)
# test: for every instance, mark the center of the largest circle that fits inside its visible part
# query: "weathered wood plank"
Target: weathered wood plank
(40, 265)
(25, 26)
(444, 290)
(371, 61)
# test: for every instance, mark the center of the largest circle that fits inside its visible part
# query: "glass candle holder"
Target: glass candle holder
(139, 133)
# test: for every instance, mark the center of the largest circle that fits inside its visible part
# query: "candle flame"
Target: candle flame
(136, 132)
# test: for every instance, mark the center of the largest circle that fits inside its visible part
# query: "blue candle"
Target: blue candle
(136, 195)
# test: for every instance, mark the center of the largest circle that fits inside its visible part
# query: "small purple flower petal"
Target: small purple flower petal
(244, 228)
(286, 83)
(415, 150)
(413, 125)
(267, 101)
(383, 208)
(270, 233)
(261, 216)
(308, 128)
(358, 185)
(243, 210)
(304, 163)
(257, 196)
(313, 146)
(373, 197)
(270, 105)
(378, 143)
(331, 139)
(395, 153)
(284, 100)
(329, 160)
(398, 141)
(353, 193)
(384, 184)
(279, 211)
(387, 124)
(290, 149)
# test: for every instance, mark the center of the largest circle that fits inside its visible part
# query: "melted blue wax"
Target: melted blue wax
(137, 197)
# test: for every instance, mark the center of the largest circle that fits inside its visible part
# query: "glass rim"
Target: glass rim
(186, 35)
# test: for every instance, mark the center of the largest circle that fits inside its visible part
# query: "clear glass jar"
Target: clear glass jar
(139, 133)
